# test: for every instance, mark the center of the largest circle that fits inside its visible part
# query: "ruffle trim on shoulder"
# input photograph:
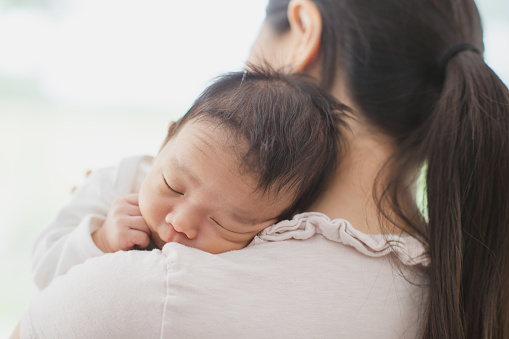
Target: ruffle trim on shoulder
(305, 225)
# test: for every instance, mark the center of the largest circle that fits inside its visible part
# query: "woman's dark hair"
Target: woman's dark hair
(452, 116)
(290, 125)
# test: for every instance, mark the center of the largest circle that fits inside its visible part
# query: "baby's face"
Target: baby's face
(195, 194)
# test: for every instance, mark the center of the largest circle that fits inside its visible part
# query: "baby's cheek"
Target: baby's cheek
(142, 205)
(148, 211)
(148, 199)
(241, 242)
(142, 196)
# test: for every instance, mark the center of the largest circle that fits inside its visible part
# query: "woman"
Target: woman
(414, 72)
(423, 94)
(414, 75)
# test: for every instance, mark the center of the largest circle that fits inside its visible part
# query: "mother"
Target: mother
(414, 74)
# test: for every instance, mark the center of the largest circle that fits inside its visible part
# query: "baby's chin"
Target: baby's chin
(159, 241)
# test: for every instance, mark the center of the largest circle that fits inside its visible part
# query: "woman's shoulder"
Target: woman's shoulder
(308, 287)
(290, 288)
(117, 295)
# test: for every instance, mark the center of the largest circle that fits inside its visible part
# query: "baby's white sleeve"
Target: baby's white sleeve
(67, 240)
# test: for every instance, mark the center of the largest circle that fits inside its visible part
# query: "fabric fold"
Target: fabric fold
(408, 250)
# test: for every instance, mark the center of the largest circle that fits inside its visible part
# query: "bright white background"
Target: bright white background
(84, 83)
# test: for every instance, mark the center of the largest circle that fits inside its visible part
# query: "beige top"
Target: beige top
(309, 277)
(409, 251)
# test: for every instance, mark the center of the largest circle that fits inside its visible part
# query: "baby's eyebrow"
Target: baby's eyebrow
(185, 168)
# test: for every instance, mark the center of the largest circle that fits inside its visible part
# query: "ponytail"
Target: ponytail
(467, 151)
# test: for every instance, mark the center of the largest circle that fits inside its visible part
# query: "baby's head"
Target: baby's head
(254, 148)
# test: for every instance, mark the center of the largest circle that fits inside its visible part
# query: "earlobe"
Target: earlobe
(306, 29)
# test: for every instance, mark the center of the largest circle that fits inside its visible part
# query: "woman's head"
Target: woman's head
(386, 54)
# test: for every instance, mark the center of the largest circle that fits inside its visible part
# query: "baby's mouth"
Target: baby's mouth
(164, 234)
(156, 241)
(151, 245)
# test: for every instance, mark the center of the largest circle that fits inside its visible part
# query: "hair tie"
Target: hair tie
(451, 52)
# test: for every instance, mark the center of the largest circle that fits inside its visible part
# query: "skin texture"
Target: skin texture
(348, 195)
(196, 195)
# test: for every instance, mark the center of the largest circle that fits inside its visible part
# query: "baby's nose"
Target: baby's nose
(184, 223)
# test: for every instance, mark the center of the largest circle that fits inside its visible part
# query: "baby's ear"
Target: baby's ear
(171, 124)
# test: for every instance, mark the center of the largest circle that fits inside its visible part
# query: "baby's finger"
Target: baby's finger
(132, 199)
(138, 239)
(131, 210)
(139, 224)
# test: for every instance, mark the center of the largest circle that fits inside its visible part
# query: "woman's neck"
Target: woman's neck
(349, 193)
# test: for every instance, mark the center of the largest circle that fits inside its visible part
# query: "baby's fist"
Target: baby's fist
(124, 227)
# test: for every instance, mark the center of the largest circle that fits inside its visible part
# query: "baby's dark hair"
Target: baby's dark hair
(291, 126)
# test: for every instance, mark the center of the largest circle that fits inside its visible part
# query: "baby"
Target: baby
(255, 148)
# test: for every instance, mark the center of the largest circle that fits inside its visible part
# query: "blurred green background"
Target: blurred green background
(84, 83)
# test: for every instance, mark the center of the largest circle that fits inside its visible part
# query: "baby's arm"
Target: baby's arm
(67, 241)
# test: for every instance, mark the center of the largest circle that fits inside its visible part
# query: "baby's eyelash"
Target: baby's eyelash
(171, 188)
(227, 228)
(217, 223)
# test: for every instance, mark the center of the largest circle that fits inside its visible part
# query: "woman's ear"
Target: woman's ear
(306, 31)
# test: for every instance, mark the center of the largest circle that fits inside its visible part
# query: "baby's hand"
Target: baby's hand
(124, 227)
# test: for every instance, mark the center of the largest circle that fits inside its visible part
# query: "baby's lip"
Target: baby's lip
(162, 234)
(166, 232)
